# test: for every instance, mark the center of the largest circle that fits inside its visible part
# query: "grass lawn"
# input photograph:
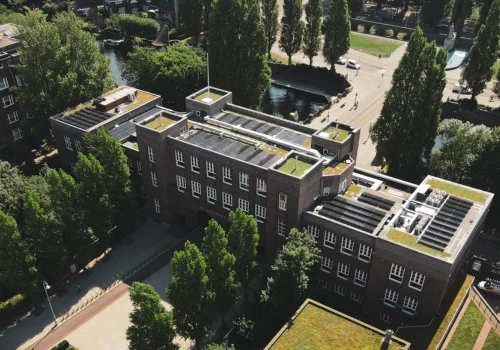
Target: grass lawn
(411, 242)
(458, 191)
(318, 329)
(468, 329)
(373, 45)
(289, 167)
(281, 58)
(496, 67)
(213, 95)
(342, 134)
(492, 341)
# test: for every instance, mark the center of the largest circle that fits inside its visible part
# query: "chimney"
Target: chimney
(388, 335)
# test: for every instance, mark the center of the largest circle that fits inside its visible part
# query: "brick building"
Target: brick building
(393, 247)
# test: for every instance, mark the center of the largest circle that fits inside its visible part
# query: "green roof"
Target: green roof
(341, 136)
(411, 241)
(458, 190)
(289, 167)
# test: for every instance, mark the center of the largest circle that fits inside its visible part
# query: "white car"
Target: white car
(489, 287)
(341, 60)
(353, 64)
(462, 89)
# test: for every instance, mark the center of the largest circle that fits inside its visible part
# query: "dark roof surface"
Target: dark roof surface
(86, 118)
(376, 201)
(124, 130)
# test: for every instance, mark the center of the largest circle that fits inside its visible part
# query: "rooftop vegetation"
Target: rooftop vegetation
(492, 341)
(352, 191)
(213, 95)
(315, 328)
(468, 329)
(161, 123)
(341, 136)
(411, 242)
(335, 169)
(289, 167)
(458, 190)
(141, 98)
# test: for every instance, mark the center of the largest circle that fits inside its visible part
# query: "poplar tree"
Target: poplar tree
(312, 34)
(483, 53)
(433, 11)
(292, 28)
(270, 13)
(412, 108)
(337, 31)
(483, 13)
(192, 14)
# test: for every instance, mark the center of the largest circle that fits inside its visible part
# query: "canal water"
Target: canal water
(277, 100)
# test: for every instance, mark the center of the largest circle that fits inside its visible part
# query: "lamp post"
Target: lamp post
(381, 78)
(360, 52)
(46, 287)
(356, 98)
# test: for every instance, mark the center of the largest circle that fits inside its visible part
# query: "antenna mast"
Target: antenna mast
(208, 74)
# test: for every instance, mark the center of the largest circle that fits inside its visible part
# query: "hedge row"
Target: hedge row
(10, 308)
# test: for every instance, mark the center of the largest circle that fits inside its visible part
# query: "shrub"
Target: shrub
(176, 32)
(61, 346)
(245, 328)
(368, 27)
(10, 308)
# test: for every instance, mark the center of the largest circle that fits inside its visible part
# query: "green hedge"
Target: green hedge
(11, 307)
(64, 345)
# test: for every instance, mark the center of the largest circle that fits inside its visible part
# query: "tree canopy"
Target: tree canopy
(238, 51)
(404, 119)
(192, 15)
(312, 33)
(62, 67)
(292, 28)
(337, 31)
(135, 26)
(433, 11)
(270, 14)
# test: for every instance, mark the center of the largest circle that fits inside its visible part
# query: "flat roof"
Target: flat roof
(127, 128)
(7, 33)
(208, 95)
(316, 326)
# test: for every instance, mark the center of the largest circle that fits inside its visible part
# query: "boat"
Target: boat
(113, 42)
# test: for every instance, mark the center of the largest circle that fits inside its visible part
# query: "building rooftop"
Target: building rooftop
(208, 95)
(336, 132)
(160, 119)
(8, 32)
(109, 106)
(315, 326)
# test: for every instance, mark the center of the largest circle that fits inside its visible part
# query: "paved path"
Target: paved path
(457, 322)
(481, 338)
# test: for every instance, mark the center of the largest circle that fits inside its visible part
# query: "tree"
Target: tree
(17, 264)
(355, 7)
(43, 237)
(312, 34)
(189, 294)
(220, 268)
(173, 72)
(135, 26)
(238, 50)
(207, 10)
(192, 13)
(152, 325)
(110, 155)
(215, 346)
(292, 28)
(483, 53)
(496, 86)
(270, 13)
(94, 197)
(432, 11)
(404, 119)
(483, 13)
(337, 31)
(243, 239)
(289, 282)
(62, 67)
(69, 216)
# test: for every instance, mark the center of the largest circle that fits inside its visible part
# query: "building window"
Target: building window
(402, 324)
(386, 317)
(323, 283)
(211, 195)
(360, 278)
(129, 160)
(391, 298)
(154, 181)
(227, 201)
(157, 206)
(356, 297)
(78, 146)
(342, 186)
(416, 281)
(67, 141)
(227, 175)
(17, 134)
(339, 290)
(179, 159)
(210, 170)
(143, 192)
(326, 191)
(313, 230)
(347, 246)
(195, 189)
(281, 228)
(397, 273)
(195, 164)
(365, 253)
(135, 10)
(343, 271)
(151, 155)
(326, 264)
(260, 213)
(19, 80)
(410, 306)
(13, 117)
(330, 239)
(261, 187)
(139, 167)
(244, 181)
(282, 201)
(181, 183)
(244, 204)
(121, 10)
(73, 166)
(4, 83)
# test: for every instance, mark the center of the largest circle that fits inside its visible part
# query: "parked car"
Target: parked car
(462, 89)
(489, 287)
(443, 26)
(341, 60)
(353, 64)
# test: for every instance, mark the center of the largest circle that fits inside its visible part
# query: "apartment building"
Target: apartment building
(131, 6)
(393, 248)
(11, 112)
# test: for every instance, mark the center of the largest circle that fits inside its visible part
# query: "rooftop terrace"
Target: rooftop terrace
(336, 132)
(208, 95)
(295, 167)
(318, 327)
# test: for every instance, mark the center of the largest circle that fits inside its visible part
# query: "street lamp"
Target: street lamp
(356, 98)
(360, 52)
(46, 287)
(381, 78)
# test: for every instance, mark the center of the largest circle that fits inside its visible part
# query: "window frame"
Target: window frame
(195, 186)
(360, 278)
(228, 205)
(179, 159)
(260, 213)
(157, 206)
(330, 244)
(151, 154)
(328, 267)
(210, 166)
(313, 230)
(181, 183)
(227, 175)
(19, 80)
(154, 179)
(67, 142)
(195, 164)
(391, 298)
(73, 166)
(362, 253)
(15, 116)
(326, 191)
(323, 283)
(282, 201)
(385, 317)
(4, 83)
(343, 271)
(243, 203)
(143, 190)
(396, 270)
(244, 182)
(17, 134)
(345, 246)
(414, 281)
(10, 99)
(261, 185)
(339, 290)
(281, 228)
(139, 167)
(78, 147)
(211, 199)
(358, 298)
(409, 306)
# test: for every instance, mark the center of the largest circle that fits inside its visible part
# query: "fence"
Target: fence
(485, 309)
